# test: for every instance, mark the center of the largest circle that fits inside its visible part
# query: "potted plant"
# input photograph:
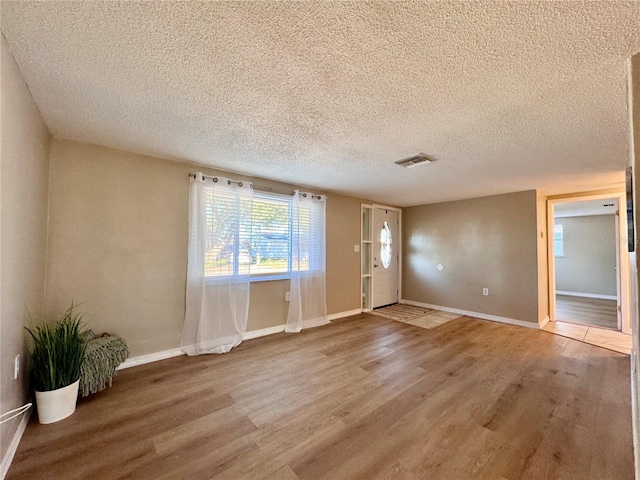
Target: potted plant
(58, 352)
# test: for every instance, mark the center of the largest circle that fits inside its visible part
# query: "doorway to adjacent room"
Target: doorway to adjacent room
(588, 264)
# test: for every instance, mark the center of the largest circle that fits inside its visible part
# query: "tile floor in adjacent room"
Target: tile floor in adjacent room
(616, 341)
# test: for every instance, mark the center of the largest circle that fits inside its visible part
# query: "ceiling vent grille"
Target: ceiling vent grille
(415, 160)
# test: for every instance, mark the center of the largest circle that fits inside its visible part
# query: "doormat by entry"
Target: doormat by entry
(401, 312)
(417, 316)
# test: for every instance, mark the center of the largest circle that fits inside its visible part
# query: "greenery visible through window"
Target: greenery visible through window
(270, 245)
(243, 240)
(558, 240)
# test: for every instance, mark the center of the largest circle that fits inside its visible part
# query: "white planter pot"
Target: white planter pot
(56, 405)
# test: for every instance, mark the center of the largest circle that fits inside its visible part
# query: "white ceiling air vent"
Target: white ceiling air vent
(415, 160)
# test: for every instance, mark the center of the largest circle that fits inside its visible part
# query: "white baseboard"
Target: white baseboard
(150, 357)
(543, 322)
(309, 324)
(315, 322)
(482, 316)
(175, 352)
(263, 332)
(348, 313)
(586, 295)
(13, 446)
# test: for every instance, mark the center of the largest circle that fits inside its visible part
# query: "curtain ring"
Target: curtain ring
(304, 195)
(228, 182)
(215, 179)
(240, 184)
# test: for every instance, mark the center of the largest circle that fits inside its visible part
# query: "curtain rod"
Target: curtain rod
(215, 179)
(262, 188)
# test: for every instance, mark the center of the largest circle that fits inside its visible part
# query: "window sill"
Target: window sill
(235, 279)
(261, 278)
(270, 278)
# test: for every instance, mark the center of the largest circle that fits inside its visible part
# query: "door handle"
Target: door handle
(375, 265)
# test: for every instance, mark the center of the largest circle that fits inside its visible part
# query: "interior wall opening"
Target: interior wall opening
(588, 262)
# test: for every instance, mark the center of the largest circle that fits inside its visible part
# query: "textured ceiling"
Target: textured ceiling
(506, 96)
(586, 207)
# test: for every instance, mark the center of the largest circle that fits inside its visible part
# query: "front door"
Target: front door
(385, 257)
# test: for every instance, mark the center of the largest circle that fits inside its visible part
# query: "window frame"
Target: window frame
(266, 276)
(269, 276)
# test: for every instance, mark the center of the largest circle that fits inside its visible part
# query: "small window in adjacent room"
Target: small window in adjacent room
(558, 240)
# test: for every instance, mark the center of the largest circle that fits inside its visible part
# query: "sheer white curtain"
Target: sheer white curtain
(218, 280)
(308, 297)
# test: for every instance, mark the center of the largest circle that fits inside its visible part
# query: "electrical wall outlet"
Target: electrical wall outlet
(16, 367)
(485, 292)
(287, 296)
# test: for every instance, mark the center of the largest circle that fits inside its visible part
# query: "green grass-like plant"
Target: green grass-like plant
(58, 351)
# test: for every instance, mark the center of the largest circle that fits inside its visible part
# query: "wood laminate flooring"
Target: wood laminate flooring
(595, 312)
(362, 398)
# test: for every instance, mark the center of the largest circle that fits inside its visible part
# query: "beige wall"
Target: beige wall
(483, 242)
(24, 173)
(543, 260)
(589, 261)
(118, 242)
(343, 264)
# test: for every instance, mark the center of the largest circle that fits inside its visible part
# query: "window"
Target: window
(385, 245)
(558, 240)
(227, 232)
(270, 246)
(253, 236)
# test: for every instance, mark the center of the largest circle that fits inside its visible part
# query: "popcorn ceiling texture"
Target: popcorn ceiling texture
(506, 96)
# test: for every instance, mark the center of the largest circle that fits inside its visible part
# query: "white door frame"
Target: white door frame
(622, 256)
(399, 242)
